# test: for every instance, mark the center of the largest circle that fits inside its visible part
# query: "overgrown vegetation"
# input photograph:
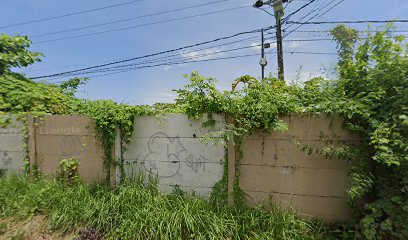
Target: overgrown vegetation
(68, 171)
(136, 210)
(371, 93)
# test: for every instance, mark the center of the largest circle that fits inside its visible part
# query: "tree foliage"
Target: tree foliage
(14, 53)
(371, 93)
(373, 88)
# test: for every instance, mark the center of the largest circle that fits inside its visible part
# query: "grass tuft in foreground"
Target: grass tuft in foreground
(139, 211)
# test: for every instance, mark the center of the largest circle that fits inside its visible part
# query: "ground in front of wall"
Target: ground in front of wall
(37, 228)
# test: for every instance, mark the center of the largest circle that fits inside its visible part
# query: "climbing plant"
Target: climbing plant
(110, 116)
(372, 93)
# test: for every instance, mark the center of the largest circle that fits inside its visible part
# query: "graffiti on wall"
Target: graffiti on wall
(5, 159)
(165, 157)
(72, 147)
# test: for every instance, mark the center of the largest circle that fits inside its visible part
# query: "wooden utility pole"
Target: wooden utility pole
(279, 13)
(281, 71)
(263, 55)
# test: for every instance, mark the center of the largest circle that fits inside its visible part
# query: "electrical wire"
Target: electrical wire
(351, 22)
(129, 19)
(141, 25)
(334, 6)
(158, 53)
(296, 11)
(69, 14)
(314, 16)
(122, 70)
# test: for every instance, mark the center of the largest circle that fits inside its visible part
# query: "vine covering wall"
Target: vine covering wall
(370, 92)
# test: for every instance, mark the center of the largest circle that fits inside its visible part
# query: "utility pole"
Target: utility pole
(281, 72)
(278, 12)
(263, 61)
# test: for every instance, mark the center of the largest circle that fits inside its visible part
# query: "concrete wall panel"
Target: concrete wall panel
(293, 180)
(62, 137)
(169, 148)
(11, 147)
(275, 169)
(326, 208)
(285, 152)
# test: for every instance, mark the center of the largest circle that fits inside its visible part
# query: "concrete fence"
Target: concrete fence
(273, 168)
(169, 148)
(53, 138)
(11, 147)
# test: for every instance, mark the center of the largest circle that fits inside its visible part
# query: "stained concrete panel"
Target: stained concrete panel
(11, 147)
(62, 137)
(314, 127)
(281, 153)
(274, 165)
(169, 148)
(292, 180)
(327, 208)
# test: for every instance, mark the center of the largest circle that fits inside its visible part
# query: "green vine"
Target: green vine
(370, 93)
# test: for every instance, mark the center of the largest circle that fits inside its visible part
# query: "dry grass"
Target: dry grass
(35, 228)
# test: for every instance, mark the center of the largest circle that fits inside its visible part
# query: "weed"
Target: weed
(136, 210)
(3, 228)
(68, 170)
(18, 235)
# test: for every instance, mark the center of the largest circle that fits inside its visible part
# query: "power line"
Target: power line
(141, 25)
(308, 20)
(124, 67)
(173, 63)
(299, 9)
(69, 14)
(315, 10)
(187, 52)
(180, 58)
(156, 54)
(351, 22)
(129, 19)
(117, 71)
(328, 31)
(328, 10)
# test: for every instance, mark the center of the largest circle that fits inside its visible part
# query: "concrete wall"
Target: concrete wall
(11, 147)
(54, 138)
(169, 148)
(275, 170)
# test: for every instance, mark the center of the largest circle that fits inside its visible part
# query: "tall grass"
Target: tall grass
(139, 211)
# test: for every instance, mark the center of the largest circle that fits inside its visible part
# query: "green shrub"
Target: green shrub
(136, 210)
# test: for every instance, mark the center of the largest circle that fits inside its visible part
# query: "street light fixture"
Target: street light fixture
(279, 13)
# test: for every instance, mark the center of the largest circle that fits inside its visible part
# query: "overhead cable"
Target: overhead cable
(69, 14)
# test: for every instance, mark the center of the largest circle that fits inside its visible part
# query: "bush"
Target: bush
(135, 210)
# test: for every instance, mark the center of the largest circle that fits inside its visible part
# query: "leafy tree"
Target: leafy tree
(19, 94)
(373, 88)
(346, 39)
(14, 53)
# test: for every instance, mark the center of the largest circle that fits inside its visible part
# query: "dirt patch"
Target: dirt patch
(35, 228)
(89, 234)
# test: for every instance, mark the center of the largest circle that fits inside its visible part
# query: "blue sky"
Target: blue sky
(146, 86)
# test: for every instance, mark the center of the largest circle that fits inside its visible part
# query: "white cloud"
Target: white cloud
(168, 95)
(167, 68)
(202, 55)
(294, 45)
(256, 45)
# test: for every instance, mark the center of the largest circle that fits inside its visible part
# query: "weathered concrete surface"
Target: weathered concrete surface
(11, 147)
(62, 137)
(275, 170)
(169, 148)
